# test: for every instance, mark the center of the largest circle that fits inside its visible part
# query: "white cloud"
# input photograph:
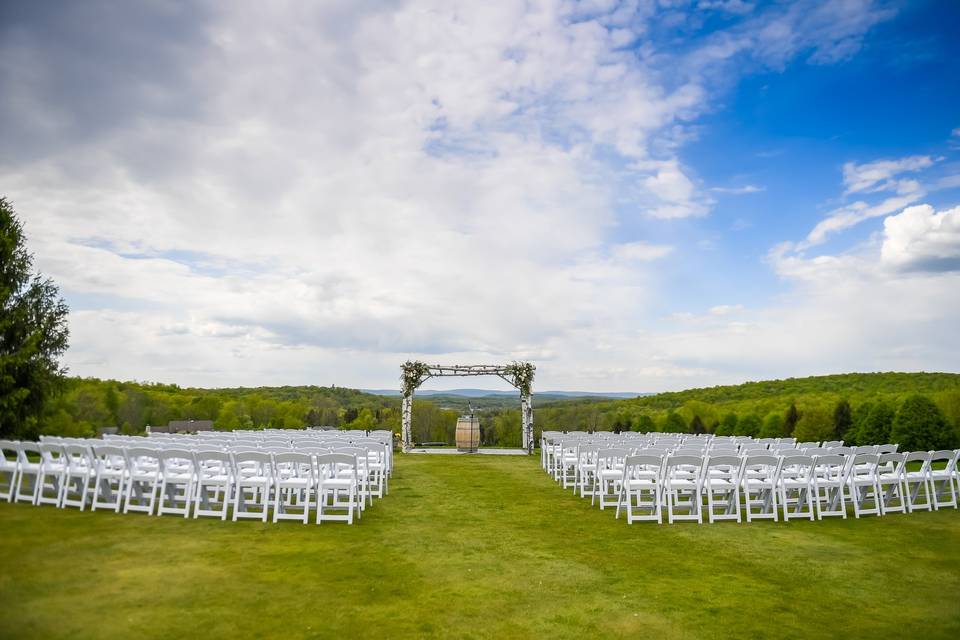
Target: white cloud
(921, 239)
(736, 191)
(313, 193)
(878, 175)
(855, 213)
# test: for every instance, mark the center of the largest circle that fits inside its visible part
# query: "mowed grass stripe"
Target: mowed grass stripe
(475, 547)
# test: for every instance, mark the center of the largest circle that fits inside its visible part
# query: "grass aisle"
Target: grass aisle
(475, 547)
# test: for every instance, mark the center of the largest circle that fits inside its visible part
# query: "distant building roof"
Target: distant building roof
(190, 425)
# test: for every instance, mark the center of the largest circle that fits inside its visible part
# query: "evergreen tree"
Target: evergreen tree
(790, 420)
(33, 333)
(842, 419)
(696, 425)
(876, 426)
(920, 426)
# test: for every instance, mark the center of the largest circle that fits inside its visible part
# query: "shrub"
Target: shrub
(921, 426)
(876, 426)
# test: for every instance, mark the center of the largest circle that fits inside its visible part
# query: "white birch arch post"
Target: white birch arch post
(518, 374)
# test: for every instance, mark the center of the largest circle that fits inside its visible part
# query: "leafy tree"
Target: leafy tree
(815, 425)
(790, 420)
(674, 423)
(749, 425)
(364, 420)
(645, 424)
(920, 426)
(842, 419)
(772, 426)
(877, 425)
(696, 425)
(33, 332)
(860, 413)
(728, 425)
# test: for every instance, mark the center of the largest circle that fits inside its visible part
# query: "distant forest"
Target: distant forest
(856, 407)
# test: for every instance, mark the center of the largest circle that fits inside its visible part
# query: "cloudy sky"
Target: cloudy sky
(637, 196)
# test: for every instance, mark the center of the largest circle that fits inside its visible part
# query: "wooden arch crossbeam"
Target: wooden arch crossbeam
(518, 374)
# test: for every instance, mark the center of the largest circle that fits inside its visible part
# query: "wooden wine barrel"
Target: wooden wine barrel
(468, 433)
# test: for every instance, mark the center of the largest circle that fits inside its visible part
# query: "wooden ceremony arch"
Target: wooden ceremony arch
(518, 374)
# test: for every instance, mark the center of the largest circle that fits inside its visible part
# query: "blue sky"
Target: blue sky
(635, 196)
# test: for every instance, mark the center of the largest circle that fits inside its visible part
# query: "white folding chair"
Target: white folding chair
(53, 469)
(683, 487)
(587, 469)
(111, 472)
(143, 479)
(721, 484)
(338, 487)
(891, 483)
(795, 485)
(759, 479)
(78, 477)
(863, 484)
(829, 485)
(641, 488)
(943, 465)
(214, 484)
(28, 466)
(607, 477)
(253, 482)
(8, 470)
(917, 481)
(294, 485)
(177, 478)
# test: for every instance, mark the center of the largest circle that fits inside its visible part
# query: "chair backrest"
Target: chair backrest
(108, 456)
(799, 466)
(872, 448)
(24, 449)
(293, 463)
(688, 463)
(330, 464)
(78, 456)
(919, 456)
(864, 465)
(898, 460)
(829, 444)
(634, 464)
(8, 452)
(887, 448)
(142, 459)
(51, 452)
(252, 463)
(831, 467)
(609, 458)
(844, 451)
(943, 460)
(725, 467)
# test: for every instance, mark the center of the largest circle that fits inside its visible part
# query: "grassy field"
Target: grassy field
(475, 547)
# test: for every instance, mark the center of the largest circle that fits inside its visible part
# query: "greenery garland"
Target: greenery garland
(522, 374)
(414, 373)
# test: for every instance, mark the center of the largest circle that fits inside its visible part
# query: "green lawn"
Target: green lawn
(475, 547)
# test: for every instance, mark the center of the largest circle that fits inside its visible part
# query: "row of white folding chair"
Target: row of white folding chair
(70, 475)
(873, 483)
